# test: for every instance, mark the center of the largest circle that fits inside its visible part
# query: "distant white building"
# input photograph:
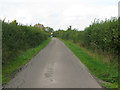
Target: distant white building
(40, 26)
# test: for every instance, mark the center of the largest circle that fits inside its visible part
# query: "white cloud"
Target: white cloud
(58, 13)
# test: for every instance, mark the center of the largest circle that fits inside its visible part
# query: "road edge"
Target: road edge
(12, 75)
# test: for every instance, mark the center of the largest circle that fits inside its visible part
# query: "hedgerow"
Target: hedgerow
(102, 36)
(18, 38)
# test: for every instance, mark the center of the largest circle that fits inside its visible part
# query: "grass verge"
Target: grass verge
(9, 68)
(103, 71)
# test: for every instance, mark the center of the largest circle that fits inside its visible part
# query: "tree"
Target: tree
(14, 22)
(69, 28)
(49, 29)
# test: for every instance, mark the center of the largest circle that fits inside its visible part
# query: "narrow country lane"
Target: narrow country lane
(54, 67)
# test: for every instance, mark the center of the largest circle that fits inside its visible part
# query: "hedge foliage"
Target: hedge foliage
(18, 38)
(101, 35)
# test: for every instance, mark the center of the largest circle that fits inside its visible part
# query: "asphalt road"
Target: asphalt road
(54, 67)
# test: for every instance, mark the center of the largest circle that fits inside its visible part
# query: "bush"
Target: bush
(101, 35)
(18, 38)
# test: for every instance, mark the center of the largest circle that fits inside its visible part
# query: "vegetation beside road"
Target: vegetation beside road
(101, 37)
(101, 42)
(10, 67)
(19, 44)
(19, 38)
(96, 65)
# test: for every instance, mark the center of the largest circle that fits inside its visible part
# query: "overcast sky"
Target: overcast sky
(58, 14)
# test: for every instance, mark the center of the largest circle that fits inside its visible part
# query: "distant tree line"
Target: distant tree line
(102, 36)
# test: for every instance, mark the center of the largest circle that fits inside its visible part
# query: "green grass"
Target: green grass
(103, 71)
(9, 68)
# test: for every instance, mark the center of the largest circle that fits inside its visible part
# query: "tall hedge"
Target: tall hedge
(18, 38)
(101, 35)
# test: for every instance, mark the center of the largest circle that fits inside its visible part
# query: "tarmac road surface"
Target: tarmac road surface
(54, 67)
